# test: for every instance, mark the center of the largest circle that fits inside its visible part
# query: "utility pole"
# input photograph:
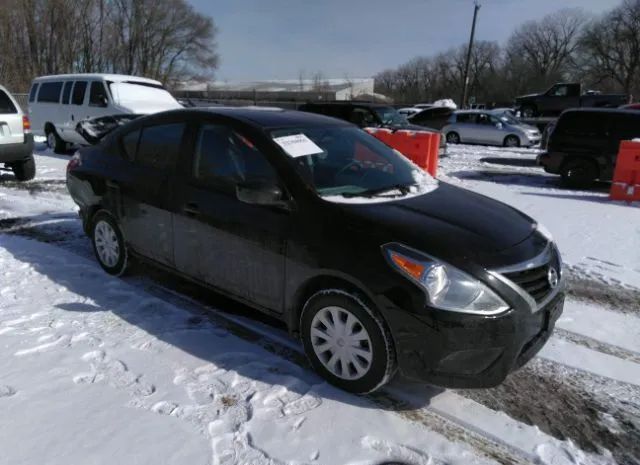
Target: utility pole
(465, 83)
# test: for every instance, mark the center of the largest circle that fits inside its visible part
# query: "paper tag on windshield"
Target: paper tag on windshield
(298, 145)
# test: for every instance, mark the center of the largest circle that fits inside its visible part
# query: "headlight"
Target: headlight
(447, 287)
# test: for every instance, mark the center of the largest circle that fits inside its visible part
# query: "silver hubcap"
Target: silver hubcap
(51, 140)
(107, 245)
(341, 343)
(511, 142)
(452, 138)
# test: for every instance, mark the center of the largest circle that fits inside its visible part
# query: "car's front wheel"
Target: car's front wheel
(453, 138)
(511, 141)
(347, 342)
(108, 244)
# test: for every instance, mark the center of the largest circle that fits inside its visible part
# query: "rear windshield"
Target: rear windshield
(6, 105)
(583, 124)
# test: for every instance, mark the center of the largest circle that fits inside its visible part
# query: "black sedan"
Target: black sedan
(371, 262)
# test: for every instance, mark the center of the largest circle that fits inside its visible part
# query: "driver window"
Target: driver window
(560, 91)
(484, 119)
(98, 95)
(224, 156)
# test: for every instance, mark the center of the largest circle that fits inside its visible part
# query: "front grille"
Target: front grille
(534, 281)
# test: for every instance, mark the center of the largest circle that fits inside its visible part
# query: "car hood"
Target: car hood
(450, 223)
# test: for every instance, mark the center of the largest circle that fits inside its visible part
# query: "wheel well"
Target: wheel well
(315, 285)
(512, 135)
(88, 216)
(49, 127)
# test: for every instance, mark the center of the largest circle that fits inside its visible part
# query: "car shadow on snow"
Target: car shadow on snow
(198, 327)
(524, 179)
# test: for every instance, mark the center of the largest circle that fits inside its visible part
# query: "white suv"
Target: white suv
(16, 140)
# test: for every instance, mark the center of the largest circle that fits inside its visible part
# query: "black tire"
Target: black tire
(58, 146)
(24, 170)
(579, 174)
(453, 137)
(383, 360)
(528, 111)
(119, 265)
(511, 141)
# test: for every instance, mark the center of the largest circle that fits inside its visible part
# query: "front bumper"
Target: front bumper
(534, 140)
(458, 350)
(17, 152)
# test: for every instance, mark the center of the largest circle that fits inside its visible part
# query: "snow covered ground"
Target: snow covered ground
(145, 369)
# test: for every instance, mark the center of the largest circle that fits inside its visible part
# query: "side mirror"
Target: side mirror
(256, 193)
(104, 102)
(499, 125)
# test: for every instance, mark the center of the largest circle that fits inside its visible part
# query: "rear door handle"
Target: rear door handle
(191, 209)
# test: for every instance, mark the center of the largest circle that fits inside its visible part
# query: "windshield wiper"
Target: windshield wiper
(404, 190)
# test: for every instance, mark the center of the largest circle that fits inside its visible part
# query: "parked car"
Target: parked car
(58, 103)
(487, 127)
(564, 96)
(364, 114)
(16, 140)
(434, 117)
(371, 262)
(583, 146)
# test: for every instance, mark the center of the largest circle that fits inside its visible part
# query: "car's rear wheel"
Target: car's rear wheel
(453, 138)
(579, 174)
(108, 244)
(511, 141)
(24, 170)
(347, 342)
(54, 142)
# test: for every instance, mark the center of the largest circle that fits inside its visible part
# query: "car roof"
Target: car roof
(272, 117)
(350, 103)
(602, 111)
(106, 77)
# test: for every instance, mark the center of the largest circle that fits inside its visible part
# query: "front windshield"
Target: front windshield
(131, 91)
(348, 162)
(390, 116)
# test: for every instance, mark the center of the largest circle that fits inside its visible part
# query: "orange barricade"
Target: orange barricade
(421, 147)
(626, 179)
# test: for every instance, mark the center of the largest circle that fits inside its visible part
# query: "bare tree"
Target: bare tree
(610, 48)
(547, 47)
(163, 39)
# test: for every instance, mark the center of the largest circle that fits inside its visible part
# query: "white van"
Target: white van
(58, 103)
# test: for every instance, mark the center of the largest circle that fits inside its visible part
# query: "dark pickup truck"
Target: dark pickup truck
(563, 96)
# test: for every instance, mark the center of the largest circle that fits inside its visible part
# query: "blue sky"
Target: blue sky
(277, 39)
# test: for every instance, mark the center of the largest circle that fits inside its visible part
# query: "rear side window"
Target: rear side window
(583, 124)
(33, 92)
(98, 95)
(466, 118)
(6, 105)
(66, 92)
(78, 92)
(50, 92)
(223, 155)
(160, 145)
(130, 144)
